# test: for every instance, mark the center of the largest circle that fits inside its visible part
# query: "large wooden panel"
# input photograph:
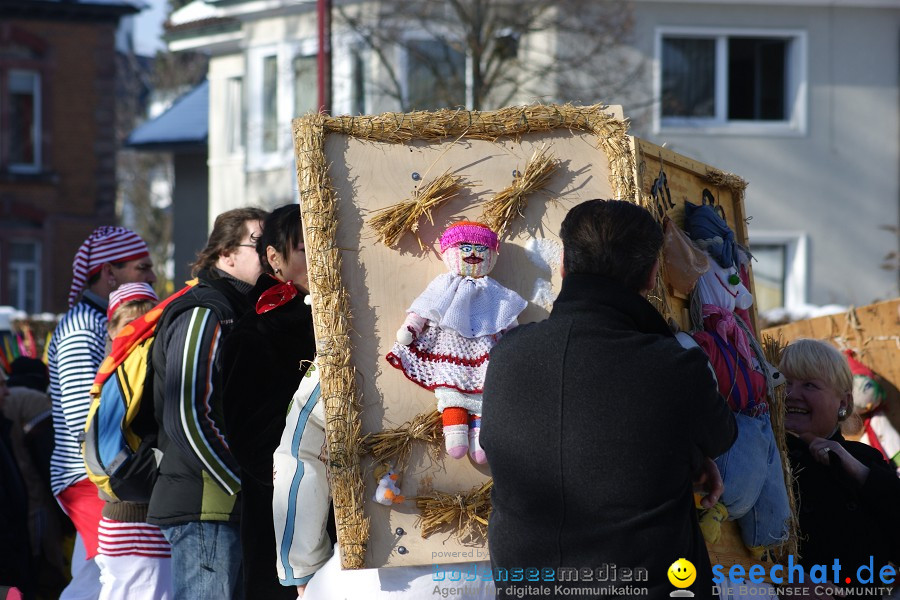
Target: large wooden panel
(350, 168)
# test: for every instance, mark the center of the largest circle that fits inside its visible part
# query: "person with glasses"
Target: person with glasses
(195, 498)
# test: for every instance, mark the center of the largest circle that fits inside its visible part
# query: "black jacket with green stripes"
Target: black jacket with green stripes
(198, 477)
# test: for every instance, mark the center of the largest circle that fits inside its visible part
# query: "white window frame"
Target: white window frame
(301, 52)
(796, 86)
(21, 267)
(37, 129)
(235, 116)
(796, 262)
(282, 157)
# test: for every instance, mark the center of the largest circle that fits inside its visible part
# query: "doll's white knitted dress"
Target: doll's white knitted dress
(466, 317)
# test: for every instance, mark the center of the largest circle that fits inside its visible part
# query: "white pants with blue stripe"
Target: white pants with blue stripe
(302, 494)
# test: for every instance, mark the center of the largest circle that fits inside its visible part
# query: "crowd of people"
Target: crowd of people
(599, 428)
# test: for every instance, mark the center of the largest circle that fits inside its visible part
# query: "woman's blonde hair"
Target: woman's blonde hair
(128, 312)
(807, 359)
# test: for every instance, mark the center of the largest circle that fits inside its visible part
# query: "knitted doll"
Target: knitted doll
(449, 330)
(868, 396)
(755, 494)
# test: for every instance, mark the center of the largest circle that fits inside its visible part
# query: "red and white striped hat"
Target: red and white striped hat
(105, 245)
(129, 292)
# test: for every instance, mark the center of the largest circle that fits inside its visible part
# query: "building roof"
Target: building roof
(184, 126)
(71, 9)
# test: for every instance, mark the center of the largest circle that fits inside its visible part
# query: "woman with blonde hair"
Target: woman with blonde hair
(848, 494)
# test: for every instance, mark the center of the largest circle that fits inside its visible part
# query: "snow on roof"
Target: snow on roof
(185, 122)
(198, 10)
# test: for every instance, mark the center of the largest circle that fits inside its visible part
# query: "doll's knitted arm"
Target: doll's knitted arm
(411, 327)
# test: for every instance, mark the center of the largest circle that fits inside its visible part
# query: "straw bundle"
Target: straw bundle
(500, 211)
(332, 320)
(390, 223)
(732, 182)
(465, 514)
(393, 445)
(773, 349)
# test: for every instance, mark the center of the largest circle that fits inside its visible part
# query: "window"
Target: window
(281, 83)
(270, 103)
(779, 269)
(357, 82)
(731, 81)
(235, 116)
(768, 276)
(306, 85)
(24, 278)
(435, 75)
(23, 120)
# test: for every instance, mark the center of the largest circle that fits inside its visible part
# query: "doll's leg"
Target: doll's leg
(455, 407)
(456, 431)
(475, 450)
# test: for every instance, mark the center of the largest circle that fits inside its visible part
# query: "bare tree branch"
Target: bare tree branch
(553, 50)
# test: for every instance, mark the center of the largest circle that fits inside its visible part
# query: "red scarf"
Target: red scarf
(277, 295)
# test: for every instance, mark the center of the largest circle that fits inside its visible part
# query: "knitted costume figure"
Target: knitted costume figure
(443, 344)
(868, 396)
(755, 494)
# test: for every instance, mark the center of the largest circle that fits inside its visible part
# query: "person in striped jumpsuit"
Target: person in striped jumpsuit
(109, 257)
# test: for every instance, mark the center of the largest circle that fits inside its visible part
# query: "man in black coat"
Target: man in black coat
(596, 422)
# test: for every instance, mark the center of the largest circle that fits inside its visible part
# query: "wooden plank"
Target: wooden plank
(356, 173)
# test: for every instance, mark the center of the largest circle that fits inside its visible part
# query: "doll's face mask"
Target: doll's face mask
(470, 259)
(867, 393)
(723, 287)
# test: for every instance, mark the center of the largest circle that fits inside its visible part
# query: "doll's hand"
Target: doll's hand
(412, 326)
(405, 336)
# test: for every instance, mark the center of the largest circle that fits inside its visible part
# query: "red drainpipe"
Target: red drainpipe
(323, 70)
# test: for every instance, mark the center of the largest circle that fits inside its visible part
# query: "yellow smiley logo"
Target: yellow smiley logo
(682, 573)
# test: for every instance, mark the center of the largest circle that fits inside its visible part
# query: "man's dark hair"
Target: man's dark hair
(615, 239)
(281, 231)
(227, 233)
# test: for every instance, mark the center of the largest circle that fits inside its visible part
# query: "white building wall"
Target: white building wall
(838, 181)
(226, 170)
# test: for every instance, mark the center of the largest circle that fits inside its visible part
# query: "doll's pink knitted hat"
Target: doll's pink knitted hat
(469, 231)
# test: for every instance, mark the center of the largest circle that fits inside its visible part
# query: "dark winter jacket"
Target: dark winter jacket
(595, 422)
(264, 359)
(15, 551)
(198, 476)
(840, 519)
